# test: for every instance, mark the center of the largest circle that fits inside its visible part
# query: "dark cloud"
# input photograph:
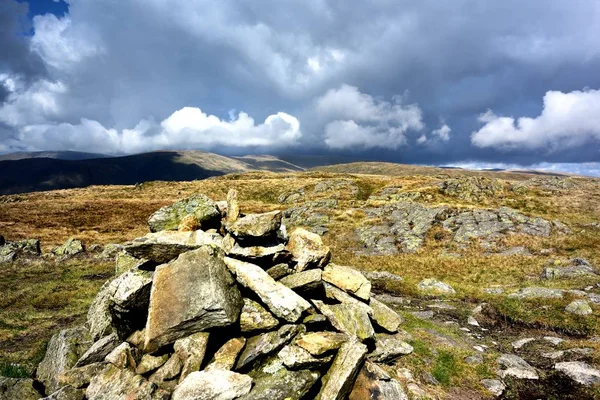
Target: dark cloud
(125, 68)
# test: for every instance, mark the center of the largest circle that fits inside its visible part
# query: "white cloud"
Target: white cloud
(586, 168)
(357, 120)
(188, 128)
(443, 133)
(568, 120)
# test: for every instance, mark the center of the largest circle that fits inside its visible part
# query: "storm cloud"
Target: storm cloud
(427, 82)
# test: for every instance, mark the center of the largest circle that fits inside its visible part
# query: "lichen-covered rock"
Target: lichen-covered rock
(256, 225)
(348, 279)
(233, 206)
(579, 307)
(167, 371)
(125, 261)
(385, 317)
(312, 215)
(114, 383)
(254, 317)
(80, 377)
(227, 355)
(494, 386)
(191, 294)
(514, 366)
(580, 372)
(198, 205)
(191, 351)
(70, 248)
(267, 343)
(279, 271)
(373, 382)
(278, 382)
(162, 247)
(99, 350)
(66, 393)
(295, 357)
(213, 385)
(9, 251)
(348, 319)
(309, 279)
(64, 349)
(338, 381)
(124, 356)
(576, 268)
(536, 292)
(150, 363)
(282, 301)
(21, 389)
(99, 318)
(189, 223)
(307, 248)
(128, 305)
(433, 286)
(389, 347)
(319, 343)
(471, 188)
(334, 293)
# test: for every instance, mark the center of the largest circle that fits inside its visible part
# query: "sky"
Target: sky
(497, 83)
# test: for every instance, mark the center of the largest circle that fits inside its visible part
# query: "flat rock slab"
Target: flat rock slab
(213, 385)
(169, 217)
(281, 300)
(433, 286)
(234, 249)
(580, 372)
(385, 317)
(191, 351)
(308, 279)
(307, 248)
(281, 384)
(389, 347)
(295, 357)
(348, 279)
(191, 294)
(256, 225)
(267, 343)
(348, 319)
(514, 366)
(340, 378)
(227, 355)
(318, 343)
(99, 350)
(164, 246)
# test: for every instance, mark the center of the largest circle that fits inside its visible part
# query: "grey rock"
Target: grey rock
(389, 347)
(383, 276)
(295, 357)
(191, 294)
(256, 225)
(99, 318)
(385, 317)
(274, 383)
(579, 372)
(70, 248)
(576, 268)
(282, 301)
(267, 343)
(279, 271)
(124, 356)
(433, 286)
(338, 381)
(307, 249)
(167, 371)
(113, 383)
(128, 305)
(579, 307)
(64, 349)
(308, 279)
(254, 317)
(191, 351)
(348, 279)
(348, 318)
(373, 382)
(213, 385)
(125, 261)
(514, 366)
(235, 249)
(233, 206)
(162, 247)
(66, 393)
(80, 377)
(333, 293)
(150, 363)
(227, 355)
(319, 343)
(99, 350)
(17, 389)
(494, 386)
(198, 205)
(521, 342)
(537, 292)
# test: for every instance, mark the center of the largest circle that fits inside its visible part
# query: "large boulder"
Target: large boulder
(162, 247)
(196, 292)
(129, 303)
(307, 249)
(256, 225)
(198, 205)
(282, 301)
(213, 385)
(340, 377)
(64, 349)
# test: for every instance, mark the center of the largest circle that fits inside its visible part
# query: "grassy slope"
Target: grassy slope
(105, 214)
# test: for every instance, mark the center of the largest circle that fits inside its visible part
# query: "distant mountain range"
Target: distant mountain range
(29, 172)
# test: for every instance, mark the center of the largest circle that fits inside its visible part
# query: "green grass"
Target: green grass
(446, 367)
(14, 370)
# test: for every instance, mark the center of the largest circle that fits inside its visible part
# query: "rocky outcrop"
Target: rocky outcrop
(9, 251)
(169, 217)
(187, 319)
(70, 248)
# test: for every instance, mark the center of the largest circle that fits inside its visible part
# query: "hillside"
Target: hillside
(495, 274)
(36, 174)
(59, 155)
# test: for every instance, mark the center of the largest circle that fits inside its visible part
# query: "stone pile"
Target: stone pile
(214, 304)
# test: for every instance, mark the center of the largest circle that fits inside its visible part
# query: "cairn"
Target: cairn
(214, 304)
